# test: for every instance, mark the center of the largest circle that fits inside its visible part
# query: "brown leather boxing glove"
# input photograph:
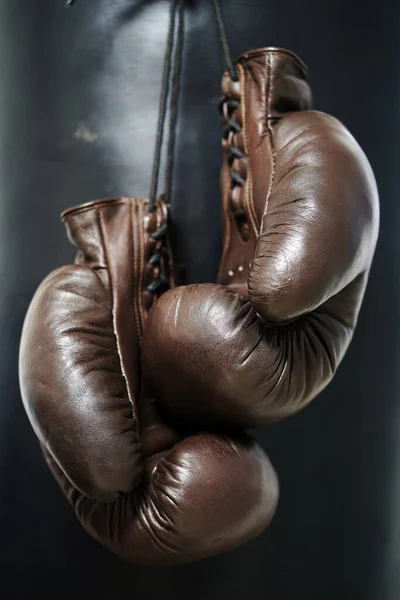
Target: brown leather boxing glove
(301, 222)
(150, 495)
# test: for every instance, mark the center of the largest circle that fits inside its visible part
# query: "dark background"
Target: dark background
(78, 105)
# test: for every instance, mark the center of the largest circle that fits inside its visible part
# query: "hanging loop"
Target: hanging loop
(176, 60)
(230, 67)
(172, 62)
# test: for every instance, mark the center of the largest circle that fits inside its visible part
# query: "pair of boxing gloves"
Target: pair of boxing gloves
(140, 398)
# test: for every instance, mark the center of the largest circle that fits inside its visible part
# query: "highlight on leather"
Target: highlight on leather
(149, 492)
(301, 222)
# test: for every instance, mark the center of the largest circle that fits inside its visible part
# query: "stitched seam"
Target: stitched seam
(228, 227)
(249, 201)
(93, 205)
(281, 52)
(141, 270)
(86, 209)
(98, 211)
(271, 139)
(135, 288)
(99, 204)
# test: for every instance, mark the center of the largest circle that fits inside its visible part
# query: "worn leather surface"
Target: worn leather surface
(263, 343)
(69, 75)
(150, 493)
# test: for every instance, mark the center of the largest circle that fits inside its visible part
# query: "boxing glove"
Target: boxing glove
(146, 491)
(301, 221)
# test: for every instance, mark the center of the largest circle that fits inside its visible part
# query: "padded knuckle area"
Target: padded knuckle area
(231, 493)
(196, 330)
(197, 355)
(73, 387)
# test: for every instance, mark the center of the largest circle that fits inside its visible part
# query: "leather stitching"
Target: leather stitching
(136, 291)
(249, 179)
(278, 52)
(98, 215)
(271, 139)
(228, 227)
(141, 271)
(96, 204)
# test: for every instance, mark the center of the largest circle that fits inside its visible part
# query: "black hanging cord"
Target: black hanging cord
(176, 60)
(165, 86)
(230, 67)
(174, 104)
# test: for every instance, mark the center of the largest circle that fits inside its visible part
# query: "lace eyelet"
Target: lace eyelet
(159, 285)
(160, 233)
(234, 126)
(236, 179)
(155, 260)
(229, 102)
(240, 216)
(234, 153)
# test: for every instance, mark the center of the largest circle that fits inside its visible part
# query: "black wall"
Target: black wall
(78, 105)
